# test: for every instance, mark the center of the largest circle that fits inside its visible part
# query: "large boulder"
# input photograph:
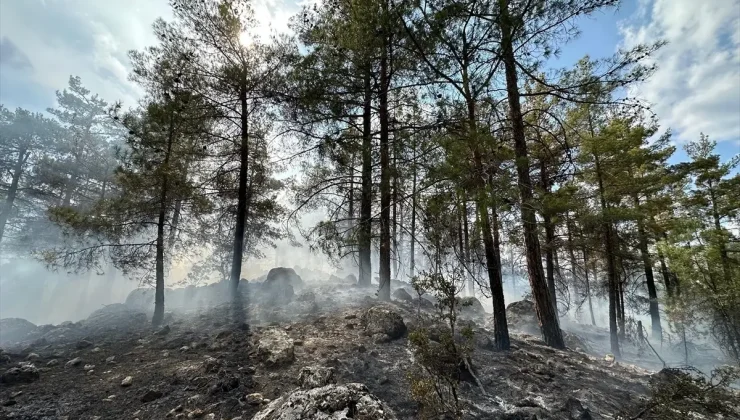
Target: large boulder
(331, 402)
(115, 315)
(316, 376)
(285, 274)
(275, 347)
(471, 306)
(383, 320)
(141, 299)
(24, 374)
(402, 295)
(522, 316)
(13, 330)
(280, 285)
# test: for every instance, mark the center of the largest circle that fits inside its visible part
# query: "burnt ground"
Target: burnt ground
(204, 365)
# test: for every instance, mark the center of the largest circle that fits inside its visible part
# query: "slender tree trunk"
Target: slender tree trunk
(611, 267)
(161, 219)
(549, 238)
(572, 256)
(723, 254)
(242, 200)
(394, 221)
(622, 316)
(400, 247)
(466, 241)
(647, 263)
(412, 246)
(610, 246)
(351, 197)
(384, 290)
(588, 285)
(366, 196)
(545, 307)
(12, 191)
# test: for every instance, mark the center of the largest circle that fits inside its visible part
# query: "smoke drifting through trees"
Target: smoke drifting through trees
(429, 133)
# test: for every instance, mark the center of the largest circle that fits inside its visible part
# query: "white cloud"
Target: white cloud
(91, 39)
(697, 85)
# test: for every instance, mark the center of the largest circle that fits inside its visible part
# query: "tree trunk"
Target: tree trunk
(723, 254)
(412, 246)
(549, 239)
(366, 198)
(657, 330)
(588, 286)
(384, 289)
(572, 255)
(159, 262)
(394, 220)
(12, 191)
(611, 266)
(546, 312)
(242, 200)
(466, 242)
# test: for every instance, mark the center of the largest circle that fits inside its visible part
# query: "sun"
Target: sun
(245, 39)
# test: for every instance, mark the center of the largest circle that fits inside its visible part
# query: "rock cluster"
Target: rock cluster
(330, 402)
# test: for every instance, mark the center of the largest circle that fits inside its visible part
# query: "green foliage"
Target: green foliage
(442, 350)
(685, 393)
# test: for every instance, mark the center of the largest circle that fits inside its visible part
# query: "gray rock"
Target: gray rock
(127, 381)
(151, 395)
(402, 295)
(471, 306)
(285, 274)
(275, 347)
(383, 320)
(163, 331)
(74, 362)
(328, 403)
(141, 299)
(575, 410)
(254, 399)
(13, 330)
(24, 374)
(316, 377)
(83, 344)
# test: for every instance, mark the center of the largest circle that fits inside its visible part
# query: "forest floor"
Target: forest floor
(114, 365)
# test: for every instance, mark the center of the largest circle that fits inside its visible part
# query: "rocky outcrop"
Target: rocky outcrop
(15, 329)
(26, 373)
(275, 347)
(522, 316)
(350, 401)
(280, 274)
(383, 320)
(402, 295)
(316, 377)
(471, 306)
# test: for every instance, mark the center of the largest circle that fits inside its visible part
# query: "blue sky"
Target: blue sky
(696, 88)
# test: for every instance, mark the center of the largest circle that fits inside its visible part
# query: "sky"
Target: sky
(695, 89)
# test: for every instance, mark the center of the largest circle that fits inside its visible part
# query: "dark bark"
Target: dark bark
(384, 288)
(366, 196)
(647, 263)
(394, 221)
(412, 246)
(242, 198)
(161, 219)
(546, 312)
(588, 286)
(609, 250)
(723, 254)
(466, 254)
(12, 191)
(549, 238)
